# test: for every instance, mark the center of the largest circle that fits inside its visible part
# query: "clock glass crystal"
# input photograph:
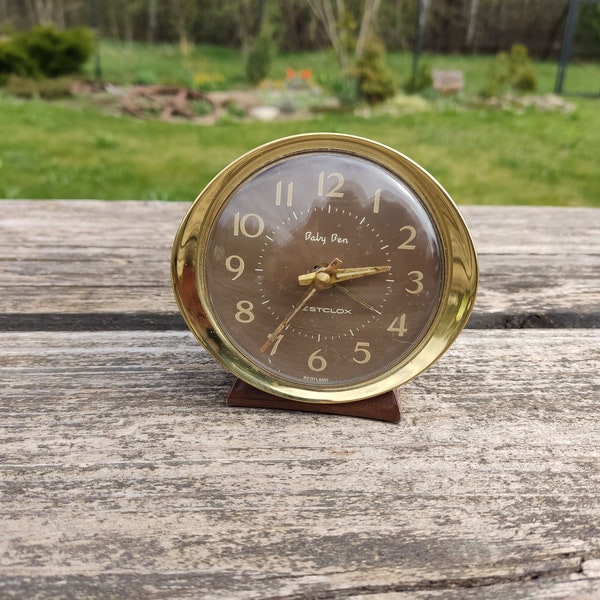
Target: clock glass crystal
(324, 268)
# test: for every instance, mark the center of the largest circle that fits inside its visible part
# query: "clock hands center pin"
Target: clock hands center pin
(321, 281)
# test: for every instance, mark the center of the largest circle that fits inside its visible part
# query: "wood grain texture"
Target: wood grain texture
(123, 474)
(94, 260)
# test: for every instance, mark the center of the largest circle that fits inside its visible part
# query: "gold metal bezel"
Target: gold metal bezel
(460, 266)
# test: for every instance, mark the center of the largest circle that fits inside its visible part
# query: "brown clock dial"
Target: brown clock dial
(326, 268)
(292, 219)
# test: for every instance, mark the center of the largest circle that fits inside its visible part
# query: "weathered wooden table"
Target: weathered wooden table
(123, 473)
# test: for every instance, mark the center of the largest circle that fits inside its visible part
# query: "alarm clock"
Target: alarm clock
(324, 269)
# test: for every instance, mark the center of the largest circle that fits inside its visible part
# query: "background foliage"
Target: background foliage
(483, 154)
(497, 151)
(451, 26)
(44, 51)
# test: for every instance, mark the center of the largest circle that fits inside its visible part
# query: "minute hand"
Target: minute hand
(340, 275)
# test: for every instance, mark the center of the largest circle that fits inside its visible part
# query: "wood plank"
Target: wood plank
(94, 259)
(121, 468)
(87, 256)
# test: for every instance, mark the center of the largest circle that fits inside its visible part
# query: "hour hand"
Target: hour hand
(340, 275)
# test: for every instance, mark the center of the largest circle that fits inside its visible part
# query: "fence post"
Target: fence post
(94, 24)
(567, 45)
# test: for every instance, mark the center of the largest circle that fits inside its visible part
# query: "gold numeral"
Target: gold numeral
(244, 313)
(412, 233)
(240, 225)
(279, 193)
(316, 362)
(416, 277)
(398, 325)
(334, 191)
(235, 264)
(361, 349)
(276, 344)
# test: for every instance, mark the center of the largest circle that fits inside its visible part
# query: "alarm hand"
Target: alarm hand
(357, 299)
(321, 281)
(340, 275)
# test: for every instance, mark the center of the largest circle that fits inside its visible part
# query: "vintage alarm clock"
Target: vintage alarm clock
(323, 270)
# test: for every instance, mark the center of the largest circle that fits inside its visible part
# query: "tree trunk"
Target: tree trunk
(152, 20)
(369, 18)
(335, 21)
(323, 11)
(113, 22)
(472, 26)
(44, 10)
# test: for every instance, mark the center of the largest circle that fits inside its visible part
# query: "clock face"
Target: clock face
(321, 273)
(293, 219)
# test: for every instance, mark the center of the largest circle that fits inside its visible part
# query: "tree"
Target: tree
(152, 20)
(472, 25)
(184, 14)
(451, 25)
(43, 11)
(244, 15)
(347, 31)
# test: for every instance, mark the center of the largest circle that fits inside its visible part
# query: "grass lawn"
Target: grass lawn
(481, 156)
(223, 68)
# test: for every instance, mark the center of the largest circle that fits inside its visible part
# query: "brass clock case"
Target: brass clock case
(458, 266)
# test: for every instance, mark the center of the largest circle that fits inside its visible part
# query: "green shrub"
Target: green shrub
(375, 82)
(46, 52)
(14, 60)
(510, 72)
(419, 81)
(525, 81)
(522, 77)
(201, 107)
(58, 52)
(497, 79)
(345, 89)
(260, 57)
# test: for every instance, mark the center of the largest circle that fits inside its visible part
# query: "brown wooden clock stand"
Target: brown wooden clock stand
(381, 408)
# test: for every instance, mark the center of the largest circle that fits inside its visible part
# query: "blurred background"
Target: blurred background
(149, 99)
